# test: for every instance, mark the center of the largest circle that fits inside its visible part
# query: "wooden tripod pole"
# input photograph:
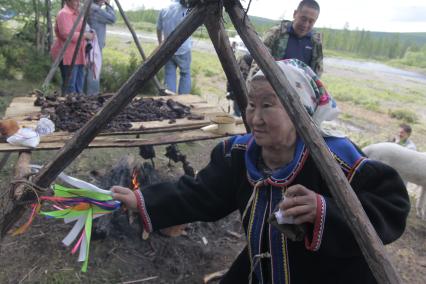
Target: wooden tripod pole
(370, 244)
(230, 66)
(138, 45)
(58, 60)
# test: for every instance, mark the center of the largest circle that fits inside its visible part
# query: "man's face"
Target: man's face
(304, 20)
(403, 135)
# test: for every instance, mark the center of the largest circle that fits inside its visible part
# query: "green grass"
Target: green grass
(373, 95)
(207, 73)
(342, 90)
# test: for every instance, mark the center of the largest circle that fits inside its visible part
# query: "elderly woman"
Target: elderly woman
(270, 169)
(74, 79)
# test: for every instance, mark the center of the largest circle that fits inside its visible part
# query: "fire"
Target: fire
(135, 182)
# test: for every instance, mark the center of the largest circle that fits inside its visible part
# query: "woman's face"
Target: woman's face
(73, 4)
(267, 118)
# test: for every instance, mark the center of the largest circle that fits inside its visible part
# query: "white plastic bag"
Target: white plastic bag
(45, 126)
(26, 137)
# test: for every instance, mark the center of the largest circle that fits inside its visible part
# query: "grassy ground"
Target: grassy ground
(207, 75)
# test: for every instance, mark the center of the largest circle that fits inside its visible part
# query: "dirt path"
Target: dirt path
(197, 43)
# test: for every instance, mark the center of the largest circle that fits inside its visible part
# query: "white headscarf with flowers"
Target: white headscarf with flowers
(312, 93)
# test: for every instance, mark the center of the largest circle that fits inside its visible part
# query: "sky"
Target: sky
(372, 15)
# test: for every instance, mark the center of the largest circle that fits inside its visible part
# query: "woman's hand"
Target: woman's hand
(300, 203)
(125, 195)
(89, 35)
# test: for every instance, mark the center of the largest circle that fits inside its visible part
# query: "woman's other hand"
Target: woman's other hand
(300, 203)
(89, 35)
(125, 195)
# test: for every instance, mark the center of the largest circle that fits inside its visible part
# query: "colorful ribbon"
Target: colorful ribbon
(75, 205)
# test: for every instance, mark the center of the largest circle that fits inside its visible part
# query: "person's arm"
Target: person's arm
(317, 64)
(208, 197)
(271, 36)
(384, 198)
(159, 36)
(103, 16)
(270, 40)
(160, 27)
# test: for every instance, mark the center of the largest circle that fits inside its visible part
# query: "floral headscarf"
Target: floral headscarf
(312, 93)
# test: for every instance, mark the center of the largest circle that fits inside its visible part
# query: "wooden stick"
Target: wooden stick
(140, 280)
(223, 48)
(16, 212)
(370, 244)
(64, 48)
(114, 142)
(138, 45)
(214, 276)
(126, 93)
(21, 170)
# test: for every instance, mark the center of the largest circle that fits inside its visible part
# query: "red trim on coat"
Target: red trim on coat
(315, 243)
(146, 222)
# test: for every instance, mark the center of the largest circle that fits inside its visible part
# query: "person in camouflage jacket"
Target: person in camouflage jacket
(284, 39)
(277, 38)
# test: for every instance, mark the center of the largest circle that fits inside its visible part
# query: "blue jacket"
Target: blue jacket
(98, 19)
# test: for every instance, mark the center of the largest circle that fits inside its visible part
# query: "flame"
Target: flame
(135, 182)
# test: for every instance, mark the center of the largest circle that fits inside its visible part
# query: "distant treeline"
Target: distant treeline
(405, 48)
(365, 43)
(142, 15)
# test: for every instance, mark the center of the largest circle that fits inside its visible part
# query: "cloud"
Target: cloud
(410, 14)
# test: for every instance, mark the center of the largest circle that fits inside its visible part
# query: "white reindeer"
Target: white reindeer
(411, 166)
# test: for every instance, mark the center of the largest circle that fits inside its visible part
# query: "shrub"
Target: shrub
(3, 65)
(404, 115)
(18, 55)
(116, 72)
(37, 67)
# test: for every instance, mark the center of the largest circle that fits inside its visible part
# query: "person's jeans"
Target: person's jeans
(92, 86)
(75, 81)
(183, 61)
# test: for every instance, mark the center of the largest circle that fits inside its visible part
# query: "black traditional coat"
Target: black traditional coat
(231, 181)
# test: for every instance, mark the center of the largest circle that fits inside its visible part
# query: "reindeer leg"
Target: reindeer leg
(421, 204)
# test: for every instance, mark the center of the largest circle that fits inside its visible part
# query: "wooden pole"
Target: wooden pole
(16, 212)
(370, 244)
(138, 45)
(223, 48)
(22, 169)
(58, 60)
